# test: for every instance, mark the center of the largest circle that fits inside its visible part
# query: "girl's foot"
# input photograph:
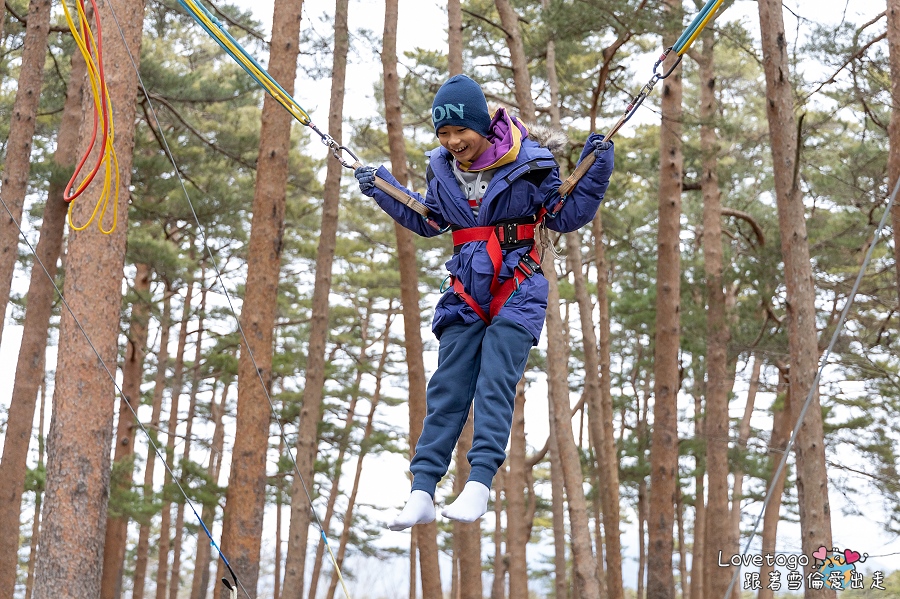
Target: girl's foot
(419, 510)
(471, 504)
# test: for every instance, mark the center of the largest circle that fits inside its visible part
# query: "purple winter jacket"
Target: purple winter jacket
(517, 190)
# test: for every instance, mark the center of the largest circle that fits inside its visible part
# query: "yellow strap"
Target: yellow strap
(700, 27)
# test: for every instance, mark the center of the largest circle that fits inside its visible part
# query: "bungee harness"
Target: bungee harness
(501, 237)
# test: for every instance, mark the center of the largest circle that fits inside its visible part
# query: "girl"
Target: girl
(491, 185)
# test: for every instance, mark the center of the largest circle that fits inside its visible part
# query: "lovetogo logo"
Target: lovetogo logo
(832, 569)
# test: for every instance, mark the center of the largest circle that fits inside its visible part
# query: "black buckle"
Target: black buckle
(528, 266)
(508, 233)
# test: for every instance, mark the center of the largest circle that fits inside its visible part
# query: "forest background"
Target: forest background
(215, 142)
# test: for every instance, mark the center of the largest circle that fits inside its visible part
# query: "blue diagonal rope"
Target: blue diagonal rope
(815, 384)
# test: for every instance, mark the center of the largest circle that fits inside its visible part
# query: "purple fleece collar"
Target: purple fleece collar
(504, 145)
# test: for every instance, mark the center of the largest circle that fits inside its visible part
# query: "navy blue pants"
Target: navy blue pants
(477, 363)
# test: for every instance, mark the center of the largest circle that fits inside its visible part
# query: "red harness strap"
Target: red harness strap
(495, 236)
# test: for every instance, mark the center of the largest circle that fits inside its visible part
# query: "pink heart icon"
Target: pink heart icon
(851, 556)
(821, 553)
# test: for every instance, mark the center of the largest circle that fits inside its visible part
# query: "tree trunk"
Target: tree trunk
(682, 550)
(159, 386)
(893, 34)
(132, 377)
(781, 432)
(812, 477)
(498, 587)
(363, 451)
(455, 39)
(307, 439)
(516, 525)
(466, 537)
(510, 21)
(718, 538)
(200, 584)
(17, 165)
(279, 504)
(242, 528)
(737, 492)
(560, 566)
(409, 292)
(80, 437)
(362, 366)
(38, 497)
(664, 440)
(699, 549)
(469, 534)
(643, 518)
(165, 538)
(600, 415)
(31, 358)
(175, 577)
(585, 567)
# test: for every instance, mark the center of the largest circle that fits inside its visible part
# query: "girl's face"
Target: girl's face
(465, 144)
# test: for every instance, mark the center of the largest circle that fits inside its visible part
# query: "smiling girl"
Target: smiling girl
(492, 186)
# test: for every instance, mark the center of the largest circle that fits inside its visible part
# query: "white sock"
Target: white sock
(471, 504)
(419, 510)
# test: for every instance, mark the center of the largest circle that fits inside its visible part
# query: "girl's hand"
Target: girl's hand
(365, 175)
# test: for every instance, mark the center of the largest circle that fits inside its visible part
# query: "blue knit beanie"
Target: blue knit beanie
(461, 103)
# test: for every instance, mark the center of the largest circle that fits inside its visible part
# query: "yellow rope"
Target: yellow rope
(214, 28)
(87, 44)
(700, 27)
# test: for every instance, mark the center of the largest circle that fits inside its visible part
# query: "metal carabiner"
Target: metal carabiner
(661, 60)
(338, 152)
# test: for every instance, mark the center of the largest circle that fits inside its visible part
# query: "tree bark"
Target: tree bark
(165, 538)
(38, 497)
(362, 366)
(699, 549)
(31, 358)
(363, 451)
(498, 587)
(455, 38)
(718, 538)
(516, 525)
(175, 576)
(159, 386)
(560, 566)
(132, 377)
(812, 477)
(510, 21)
(80, 437)
(664, 439)
(682, 550)
(585, 567)
(17, 165)
(311, 413)
(893, 35)
(600, 409)
(200, 583)
(468, 536)
(409, 292)
(242, 528)
(781, 432)
(737, 492)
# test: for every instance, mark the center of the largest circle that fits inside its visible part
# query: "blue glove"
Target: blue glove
(365, 175)
(600, 147)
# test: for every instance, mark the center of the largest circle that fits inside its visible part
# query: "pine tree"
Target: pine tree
(78, 460)
(18, 157)
(242, 528)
